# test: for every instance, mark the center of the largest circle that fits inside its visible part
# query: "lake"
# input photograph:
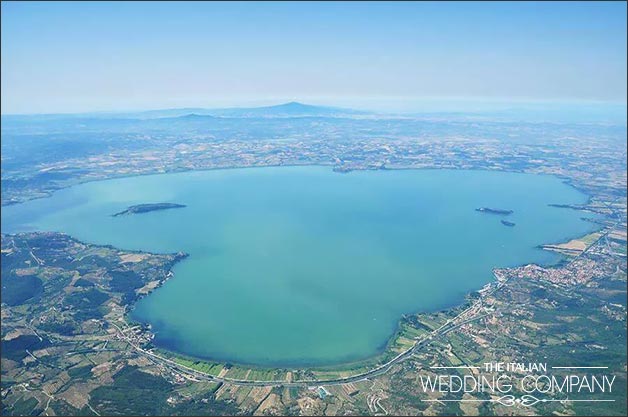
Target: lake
(295, 266)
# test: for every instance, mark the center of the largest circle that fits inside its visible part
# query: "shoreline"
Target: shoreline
(567, 180)
(384, 352)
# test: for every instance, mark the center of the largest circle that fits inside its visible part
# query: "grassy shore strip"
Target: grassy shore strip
(403, 339)
(205, 367)
(410, 328)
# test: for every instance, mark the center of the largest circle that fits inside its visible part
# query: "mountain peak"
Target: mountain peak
(194, 116)
(294, 104)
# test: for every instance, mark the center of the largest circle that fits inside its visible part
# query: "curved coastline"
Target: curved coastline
(384, 349)
(563, 178)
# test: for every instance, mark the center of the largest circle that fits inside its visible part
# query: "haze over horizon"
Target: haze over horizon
(86, 57)
(372, 105)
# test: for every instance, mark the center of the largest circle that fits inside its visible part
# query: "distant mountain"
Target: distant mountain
(194, 116)
(182, 112)
(182, 119)
(292, 109)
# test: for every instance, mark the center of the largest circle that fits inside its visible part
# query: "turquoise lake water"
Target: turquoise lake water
(302, 266)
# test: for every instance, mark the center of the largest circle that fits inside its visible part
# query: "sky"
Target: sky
(100, 56)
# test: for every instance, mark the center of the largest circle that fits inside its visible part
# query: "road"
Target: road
(450, 325)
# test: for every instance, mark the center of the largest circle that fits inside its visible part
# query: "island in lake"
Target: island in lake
(507, 223)
(494, 211)
(145, 208)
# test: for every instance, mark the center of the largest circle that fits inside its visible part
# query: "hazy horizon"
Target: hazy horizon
(373, 104)
(85, 57)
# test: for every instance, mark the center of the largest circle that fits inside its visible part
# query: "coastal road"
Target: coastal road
(447, 327)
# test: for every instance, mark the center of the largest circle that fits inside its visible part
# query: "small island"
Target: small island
(145, 208)
(507, 223)
(494, 211)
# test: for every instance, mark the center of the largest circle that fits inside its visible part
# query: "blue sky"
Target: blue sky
(69, 57)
